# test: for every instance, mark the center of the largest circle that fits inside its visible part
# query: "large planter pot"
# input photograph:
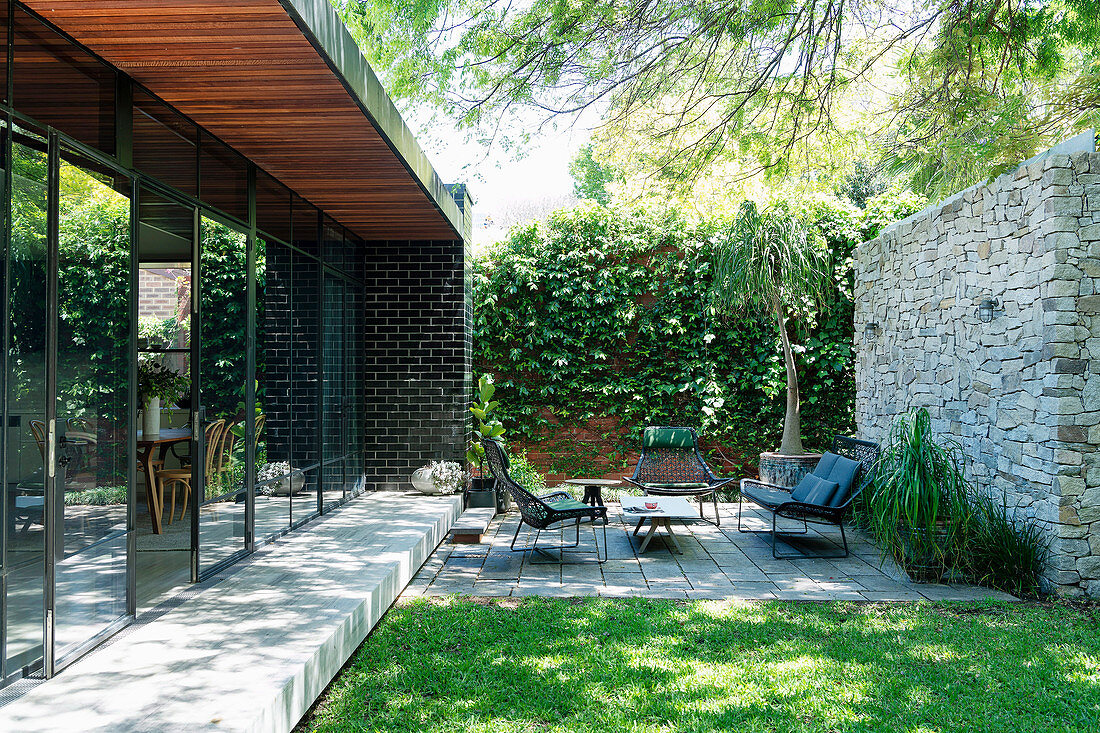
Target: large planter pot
(150, 418)
(481, 494)
(786, 471)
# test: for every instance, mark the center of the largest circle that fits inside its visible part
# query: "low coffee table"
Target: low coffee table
(668, 508)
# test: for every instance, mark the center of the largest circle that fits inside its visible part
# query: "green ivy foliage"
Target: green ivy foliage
(601, 312)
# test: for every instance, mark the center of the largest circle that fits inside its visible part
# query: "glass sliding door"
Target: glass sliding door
(334, 393)
(163, 517)
(276, 480)
(90, 430)
(24, 528)
(222, 376)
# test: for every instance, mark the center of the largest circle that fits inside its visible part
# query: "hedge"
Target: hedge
(598, 318)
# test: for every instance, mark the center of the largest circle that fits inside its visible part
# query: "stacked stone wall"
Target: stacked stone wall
(1021, 393)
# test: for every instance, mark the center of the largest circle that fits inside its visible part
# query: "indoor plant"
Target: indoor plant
(157, 382)
(770, 262)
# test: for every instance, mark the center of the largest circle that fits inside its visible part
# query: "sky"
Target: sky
(507, 188)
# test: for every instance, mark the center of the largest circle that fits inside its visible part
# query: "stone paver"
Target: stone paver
(717, 563)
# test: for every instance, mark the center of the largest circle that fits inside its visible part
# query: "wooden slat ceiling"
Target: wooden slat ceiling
(245, 71)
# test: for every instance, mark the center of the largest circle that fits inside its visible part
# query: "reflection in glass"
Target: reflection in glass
(335, 395)
(305, 304)
(24, 533)
(223, 178)
(60, 84)
(223, 303)
(165, 144)
(276, 479)
(92, 405)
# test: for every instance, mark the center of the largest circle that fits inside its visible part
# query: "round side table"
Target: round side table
(593, 495)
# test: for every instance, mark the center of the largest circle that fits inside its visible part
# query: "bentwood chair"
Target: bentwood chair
(212, 437)
(544, 512)
(671, 465)
(824, 496)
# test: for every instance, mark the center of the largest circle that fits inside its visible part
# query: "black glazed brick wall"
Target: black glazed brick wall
(417, 353)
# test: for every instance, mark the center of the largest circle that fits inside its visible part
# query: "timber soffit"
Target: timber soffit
(284, 83)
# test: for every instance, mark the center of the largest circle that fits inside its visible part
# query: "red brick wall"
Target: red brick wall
(596, 440)
(158, 293)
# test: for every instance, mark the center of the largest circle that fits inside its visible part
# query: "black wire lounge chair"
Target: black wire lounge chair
(672, 466)
(543, 512)
(824, 496)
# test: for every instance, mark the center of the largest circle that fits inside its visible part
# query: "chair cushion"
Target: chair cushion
(562, 505)
(815, 490)
(842, 470)
(769, 498)
(675, 438)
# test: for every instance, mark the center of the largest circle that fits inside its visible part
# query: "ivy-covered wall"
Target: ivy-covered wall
(595, 323)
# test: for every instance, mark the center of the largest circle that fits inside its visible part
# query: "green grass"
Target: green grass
(553, 665)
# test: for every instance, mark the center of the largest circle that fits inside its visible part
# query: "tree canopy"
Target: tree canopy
(944, 92)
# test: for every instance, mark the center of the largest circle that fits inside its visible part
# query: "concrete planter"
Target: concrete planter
(786, 471)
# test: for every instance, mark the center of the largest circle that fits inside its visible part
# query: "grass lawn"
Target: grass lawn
(649, 665)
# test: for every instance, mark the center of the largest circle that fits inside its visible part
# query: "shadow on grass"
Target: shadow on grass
(638, 665)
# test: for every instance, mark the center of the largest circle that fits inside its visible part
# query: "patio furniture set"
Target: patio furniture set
(669, 471)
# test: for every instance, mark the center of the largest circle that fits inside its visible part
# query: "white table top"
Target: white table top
(673, 507)
(593, 481)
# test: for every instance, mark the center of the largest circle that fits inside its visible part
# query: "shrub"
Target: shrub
(525, 474)
(917, 505)
(1003, 551)
(930, 520)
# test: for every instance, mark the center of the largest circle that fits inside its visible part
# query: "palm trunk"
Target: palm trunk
(791, 444)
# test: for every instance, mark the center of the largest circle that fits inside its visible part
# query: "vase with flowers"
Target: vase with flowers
(157, 382)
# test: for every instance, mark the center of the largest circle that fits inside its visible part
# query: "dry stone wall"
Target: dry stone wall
(1021, 393)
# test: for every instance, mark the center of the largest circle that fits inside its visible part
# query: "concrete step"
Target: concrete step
(471, 526)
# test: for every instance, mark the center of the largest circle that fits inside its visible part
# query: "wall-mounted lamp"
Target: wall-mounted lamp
(870, 331)
(986, 308)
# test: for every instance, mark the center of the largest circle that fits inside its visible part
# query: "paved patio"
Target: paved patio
(717, 563)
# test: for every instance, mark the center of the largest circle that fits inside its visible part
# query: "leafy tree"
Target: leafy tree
(591, 177)
(951, 90)
(772, 262)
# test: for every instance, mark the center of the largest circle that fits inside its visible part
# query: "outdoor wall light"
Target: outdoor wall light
(870, 331)
(986, 308)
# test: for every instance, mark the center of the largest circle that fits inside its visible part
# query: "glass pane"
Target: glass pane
(275, 479)
(223, 301)
(272, 207)
(165, 240)
(4, 23)
(335, 395)
(165, 144)
(59, 84)
(356, 376)
(224, 179)
(333, 243)
(24, 534)
(305, 324)
(90, 589)
(305, 225)
(93, 392)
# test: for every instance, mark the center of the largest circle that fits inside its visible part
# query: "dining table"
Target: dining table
(146, 446)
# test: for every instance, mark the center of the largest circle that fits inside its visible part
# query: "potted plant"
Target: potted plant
(481, 493)
(772, 263)
(157, 382)
(919, 503)
(439, 477)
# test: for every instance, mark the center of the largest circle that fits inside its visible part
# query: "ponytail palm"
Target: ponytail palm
(772, 263)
